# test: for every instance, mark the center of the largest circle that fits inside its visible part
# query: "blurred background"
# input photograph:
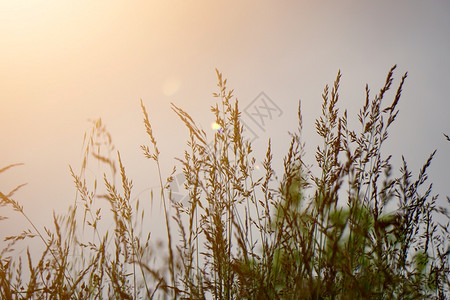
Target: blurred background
(65, 62)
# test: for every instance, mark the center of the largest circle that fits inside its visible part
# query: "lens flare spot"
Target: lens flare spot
(171, 86)
(216, 127)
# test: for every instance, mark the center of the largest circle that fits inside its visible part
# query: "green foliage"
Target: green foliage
(306, 236)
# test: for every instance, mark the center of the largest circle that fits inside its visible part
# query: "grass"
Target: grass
(326, 235)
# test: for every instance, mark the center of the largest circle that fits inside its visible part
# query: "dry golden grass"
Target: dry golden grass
(306, 236)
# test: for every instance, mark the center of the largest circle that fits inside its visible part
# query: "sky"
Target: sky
(63, 63)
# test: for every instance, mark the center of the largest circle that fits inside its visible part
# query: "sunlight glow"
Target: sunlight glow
(216, 127)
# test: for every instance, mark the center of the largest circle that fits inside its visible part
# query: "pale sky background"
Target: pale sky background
(64, 62)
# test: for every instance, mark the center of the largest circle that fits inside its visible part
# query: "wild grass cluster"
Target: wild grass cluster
(349, 231)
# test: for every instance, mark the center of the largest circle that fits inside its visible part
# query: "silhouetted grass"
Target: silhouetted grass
(309, 235)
